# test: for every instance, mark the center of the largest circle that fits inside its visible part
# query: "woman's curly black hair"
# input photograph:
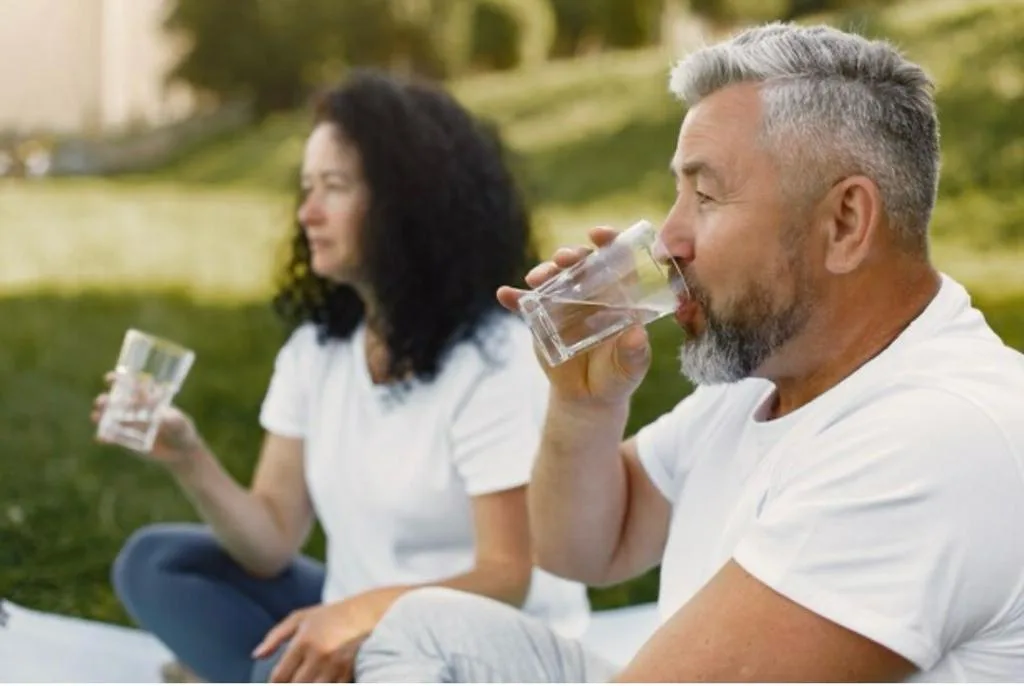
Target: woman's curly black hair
(446, 224)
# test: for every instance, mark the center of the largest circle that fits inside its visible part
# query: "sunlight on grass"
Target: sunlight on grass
(993, 275)
(500, 92)
(224, 245)
(95, 235)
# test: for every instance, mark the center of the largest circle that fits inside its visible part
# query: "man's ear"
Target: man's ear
(850, 215)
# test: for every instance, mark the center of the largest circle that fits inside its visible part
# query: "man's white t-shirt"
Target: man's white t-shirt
(391, 476)
(892, 505)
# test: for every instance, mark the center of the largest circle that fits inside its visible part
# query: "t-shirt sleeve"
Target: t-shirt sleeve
(661, 445)
(496, 428)
(284, 409)
(895, 523)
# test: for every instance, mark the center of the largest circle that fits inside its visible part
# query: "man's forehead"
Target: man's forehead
(720, 125)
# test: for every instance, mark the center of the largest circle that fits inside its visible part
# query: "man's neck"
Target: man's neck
(858, 326)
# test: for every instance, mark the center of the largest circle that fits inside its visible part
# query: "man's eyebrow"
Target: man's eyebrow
(695, 167)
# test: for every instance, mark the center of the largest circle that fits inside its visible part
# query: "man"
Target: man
(842, 497)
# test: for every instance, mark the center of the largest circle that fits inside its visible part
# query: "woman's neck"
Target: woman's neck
(378, 359)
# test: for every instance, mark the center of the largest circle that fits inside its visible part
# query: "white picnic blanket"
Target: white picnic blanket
(38, 647)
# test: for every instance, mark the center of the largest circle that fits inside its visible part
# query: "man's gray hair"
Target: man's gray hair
(835, 104)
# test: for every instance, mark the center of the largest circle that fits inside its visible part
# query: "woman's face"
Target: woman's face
(334, 204)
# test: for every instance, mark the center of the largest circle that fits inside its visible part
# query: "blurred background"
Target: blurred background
(148, 155)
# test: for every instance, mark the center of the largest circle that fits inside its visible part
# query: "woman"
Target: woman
(403, 411)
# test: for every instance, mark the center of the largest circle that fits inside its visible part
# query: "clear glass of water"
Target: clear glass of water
(149, 372)
(630, 281)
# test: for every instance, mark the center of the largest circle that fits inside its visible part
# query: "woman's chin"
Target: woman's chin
(331, 270)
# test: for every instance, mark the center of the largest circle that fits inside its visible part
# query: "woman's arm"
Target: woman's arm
(503, 565)
(324, 638)
(262, 527)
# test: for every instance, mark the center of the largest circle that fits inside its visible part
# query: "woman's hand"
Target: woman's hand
(176, 439)
(322, 640)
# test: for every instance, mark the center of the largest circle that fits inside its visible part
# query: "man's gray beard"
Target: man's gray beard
(727, 352)
(719, 357)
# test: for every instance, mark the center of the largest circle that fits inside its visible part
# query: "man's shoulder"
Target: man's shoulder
(957, 376)
(951, 439)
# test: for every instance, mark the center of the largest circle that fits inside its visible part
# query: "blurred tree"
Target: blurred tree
(631, 23)
(740, 11)
(585, 25)
(495, 33)
(495, 40)
(799, 8)
(536, 25)
(274, 51)
(264, 50)
(750, 11)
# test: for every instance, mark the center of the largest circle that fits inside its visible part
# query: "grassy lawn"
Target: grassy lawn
(189, 252)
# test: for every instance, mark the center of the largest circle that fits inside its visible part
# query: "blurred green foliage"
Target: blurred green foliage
(274, 52)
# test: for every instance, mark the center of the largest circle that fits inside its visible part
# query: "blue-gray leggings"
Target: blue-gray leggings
(177, 582)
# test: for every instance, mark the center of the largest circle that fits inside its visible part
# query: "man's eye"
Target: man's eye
(703, 198)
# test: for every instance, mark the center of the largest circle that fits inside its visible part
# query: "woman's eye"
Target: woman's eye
(703, 198)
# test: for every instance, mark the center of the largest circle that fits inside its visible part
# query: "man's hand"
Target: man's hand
(608, 373)
(323, 643)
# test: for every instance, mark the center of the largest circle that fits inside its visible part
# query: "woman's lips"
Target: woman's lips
(317, 244)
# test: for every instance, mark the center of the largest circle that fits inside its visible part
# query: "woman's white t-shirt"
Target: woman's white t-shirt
(391, 476)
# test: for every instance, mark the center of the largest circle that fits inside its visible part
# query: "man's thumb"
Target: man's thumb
(633, 352)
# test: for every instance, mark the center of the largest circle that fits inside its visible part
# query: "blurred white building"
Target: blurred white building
(86, 67)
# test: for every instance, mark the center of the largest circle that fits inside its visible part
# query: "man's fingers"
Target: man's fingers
(602, 235)
(566, 257)
(562, 259)
(541, 273)
(509, 297)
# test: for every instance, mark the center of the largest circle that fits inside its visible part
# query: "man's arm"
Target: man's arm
(598, 519)
(603, 519)
(738, 629)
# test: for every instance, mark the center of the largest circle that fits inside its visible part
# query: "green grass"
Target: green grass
(189, 252)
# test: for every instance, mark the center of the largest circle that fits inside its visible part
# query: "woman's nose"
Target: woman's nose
(309, 212)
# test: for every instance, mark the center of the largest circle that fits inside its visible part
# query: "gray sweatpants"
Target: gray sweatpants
(437, 635)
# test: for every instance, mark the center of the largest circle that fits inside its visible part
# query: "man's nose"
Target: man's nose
(677, 235)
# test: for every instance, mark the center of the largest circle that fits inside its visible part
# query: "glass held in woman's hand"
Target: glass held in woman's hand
(149, 372)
